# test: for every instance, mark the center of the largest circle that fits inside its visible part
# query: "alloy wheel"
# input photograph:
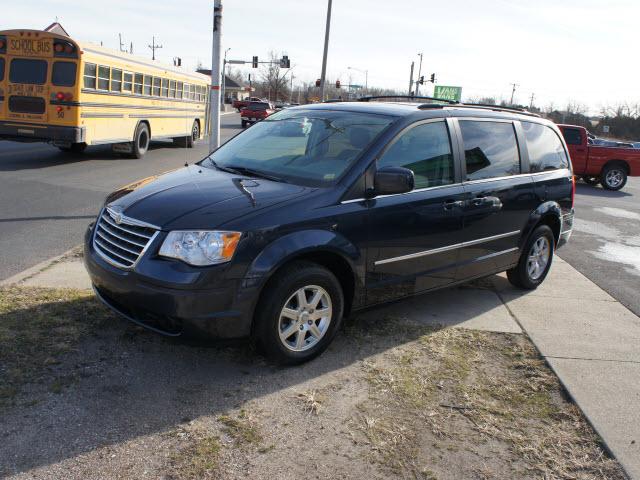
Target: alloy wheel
(305, 318)
(538, 259)
(614, 178)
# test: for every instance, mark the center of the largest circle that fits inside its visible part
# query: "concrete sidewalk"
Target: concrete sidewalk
(589, 339)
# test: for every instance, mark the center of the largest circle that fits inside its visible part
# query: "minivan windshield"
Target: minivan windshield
(306, 146)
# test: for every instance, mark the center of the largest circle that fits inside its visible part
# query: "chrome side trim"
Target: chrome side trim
(447, 248)
(405, 193)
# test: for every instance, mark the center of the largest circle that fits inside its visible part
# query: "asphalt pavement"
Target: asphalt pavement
(47, 197)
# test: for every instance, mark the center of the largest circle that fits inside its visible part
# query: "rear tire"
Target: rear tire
(141, 141)
(188, 142)
(613, 177)
(299, 313)
(244, 124)
(535, 260)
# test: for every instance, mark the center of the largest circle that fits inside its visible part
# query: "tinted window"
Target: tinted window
(545, 148)
(254, 107)
(1, 69)
(426, 150)
(311, 147)
(572, 136)
(24, 70)
(103, 77)
(490, 149)
(89, 75)
(64, 74)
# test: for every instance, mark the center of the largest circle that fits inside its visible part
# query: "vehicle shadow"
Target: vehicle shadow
(128, 382)
(598, 191)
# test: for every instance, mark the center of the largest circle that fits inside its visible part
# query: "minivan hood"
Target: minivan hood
(195, 197)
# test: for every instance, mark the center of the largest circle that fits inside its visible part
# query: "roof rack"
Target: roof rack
(406, 97)
(498, 108)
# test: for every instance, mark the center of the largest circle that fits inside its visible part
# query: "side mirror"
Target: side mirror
(390, 180)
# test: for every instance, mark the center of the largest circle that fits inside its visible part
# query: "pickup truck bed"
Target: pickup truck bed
(609, 166)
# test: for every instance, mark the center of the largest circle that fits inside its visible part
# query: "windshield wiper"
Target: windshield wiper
(220, 167)
(253, 173)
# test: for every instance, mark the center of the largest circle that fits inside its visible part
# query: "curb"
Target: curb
(32, 271)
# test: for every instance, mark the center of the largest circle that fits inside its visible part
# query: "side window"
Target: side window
(156, 86)
(138, 80)
(147, 85)
(103, 77)
(172, 89)
(425, 149)
(63, 74)
(116, 80)
(90, 75)
(490, 149)
(165, 87)
(572, 136)
(1, 69)
(127, 82)
(545, 148)
(179, 90)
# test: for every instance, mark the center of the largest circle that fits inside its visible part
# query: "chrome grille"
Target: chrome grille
(121, 240)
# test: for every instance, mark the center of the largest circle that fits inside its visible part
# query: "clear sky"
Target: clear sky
(583, 51)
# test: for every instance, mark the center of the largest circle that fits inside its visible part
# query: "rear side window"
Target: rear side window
(426, 150)
(1, 69)
(490, 149)
(572, 136)
(30, 71)
(64, 74)
(545, 148)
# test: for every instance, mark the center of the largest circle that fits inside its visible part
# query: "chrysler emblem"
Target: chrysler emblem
(116, 214)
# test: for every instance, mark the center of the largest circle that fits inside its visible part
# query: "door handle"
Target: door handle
(449, 204)
(476, 202)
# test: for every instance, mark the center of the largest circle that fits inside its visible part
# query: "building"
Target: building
(232, 89)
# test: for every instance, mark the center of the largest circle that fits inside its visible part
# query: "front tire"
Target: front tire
(535, 260)
(244, 124)
(613, 177)
(299, 313)
(141, 141)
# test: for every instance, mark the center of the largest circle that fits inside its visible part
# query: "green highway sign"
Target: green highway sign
(448, 93)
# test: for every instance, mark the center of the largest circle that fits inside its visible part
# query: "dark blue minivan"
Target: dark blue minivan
(321, 210)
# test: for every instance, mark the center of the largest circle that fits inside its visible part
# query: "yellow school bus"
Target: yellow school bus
(71, 94)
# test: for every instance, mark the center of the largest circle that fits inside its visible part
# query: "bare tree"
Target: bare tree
(274, 83)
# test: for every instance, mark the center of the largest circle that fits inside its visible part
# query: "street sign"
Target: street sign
(236, 62)
(448, 93)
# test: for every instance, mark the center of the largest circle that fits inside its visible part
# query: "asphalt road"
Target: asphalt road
(47, 198)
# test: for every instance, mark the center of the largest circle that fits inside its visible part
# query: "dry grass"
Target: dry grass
(37, 327)
(311, 401)
(242, 429)
(199, 460)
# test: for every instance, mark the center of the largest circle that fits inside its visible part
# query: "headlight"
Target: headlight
(200, 247)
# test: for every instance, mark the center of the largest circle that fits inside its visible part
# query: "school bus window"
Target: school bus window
(198, 93)
(103, 77)
(165, 87)
(89, 75)
(63, 74)
(23, 70)
(179, 90)
(1, 69)
(116, 80)
(147, 85)
(137, 83)
(172, 88)
(156, 86)
(127, 82)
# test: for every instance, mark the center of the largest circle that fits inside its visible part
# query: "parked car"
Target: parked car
(240, 104)
(322, 210)
(609, 166)
(254, 112)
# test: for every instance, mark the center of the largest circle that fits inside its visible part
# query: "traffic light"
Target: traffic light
(433, 78)
(318, 82)
(337, 83)
(254, 63)
(285, 62)
(421, 80)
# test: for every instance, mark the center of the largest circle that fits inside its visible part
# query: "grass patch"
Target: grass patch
(201, 459)
(37, 327)
(242, 429)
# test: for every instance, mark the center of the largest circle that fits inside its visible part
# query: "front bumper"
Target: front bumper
(31, 132)
(169, 302)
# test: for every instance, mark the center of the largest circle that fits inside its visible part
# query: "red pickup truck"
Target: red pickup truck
(254, 112)
(240, 104)
(609, 166)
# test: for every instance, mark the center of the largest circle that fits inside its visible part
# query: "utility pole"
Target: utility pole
(224, 75)
(324, 56)
(121, 44)
(291, 90)
(513, 92)
(214, 100)
(153, 48)
(411, 78)
(419, 72)
(131, 49)
(533, 95)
